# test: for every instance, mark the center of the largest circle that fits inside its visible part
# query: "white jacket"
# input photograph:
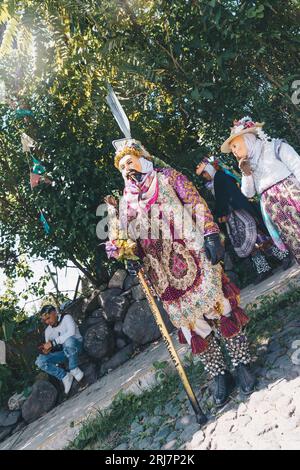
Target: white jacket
(270, 169)
(60, 333)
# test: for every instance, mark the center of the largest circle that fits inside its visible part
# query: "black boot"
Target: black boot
(245, 379)
(284, 257)
(223, 386)
(261, 266)
(239, 353)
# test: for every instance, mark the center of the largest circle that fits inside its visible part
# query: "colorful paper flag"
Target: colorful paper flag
(27, 142)
(45, 223)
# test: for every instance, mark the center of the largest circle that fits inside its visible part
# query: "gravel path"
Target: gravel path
(268, 419)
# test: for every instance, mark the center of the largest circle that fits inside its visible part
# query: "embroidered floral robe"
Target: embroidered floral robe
(191, 288)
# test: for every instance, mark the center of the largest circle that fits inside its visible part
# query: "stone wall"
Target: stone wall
(115, 322)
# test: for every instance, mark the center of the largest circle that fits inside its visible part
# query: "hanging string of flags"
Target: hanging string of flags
(21, 113)
(46, 226)
(37, 174)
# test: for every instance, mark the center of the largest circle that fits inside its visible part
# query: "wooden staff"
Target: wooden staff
(200, 416)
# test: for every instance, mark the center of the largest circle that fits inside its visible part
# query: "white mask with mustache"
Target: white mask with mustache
(146, 166)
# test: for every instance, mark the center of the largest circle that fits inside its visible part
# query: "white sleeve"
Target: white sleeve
(47, 334)
(290, 158)
(248, 186)
(69, 329)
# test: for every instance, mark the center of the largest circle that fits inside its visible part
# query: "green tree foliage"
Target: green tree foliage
(183, 71)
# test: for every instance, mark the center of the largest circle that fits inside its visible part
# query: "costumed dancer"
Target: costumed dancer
(244, 223)
(271, 168)
(199, 299)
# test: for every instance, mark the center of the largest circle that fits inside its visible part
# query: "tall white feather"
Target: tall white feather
(118, 112)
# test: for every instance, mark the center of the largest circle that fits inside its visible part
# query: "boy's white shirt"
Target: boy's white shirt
(60, 333)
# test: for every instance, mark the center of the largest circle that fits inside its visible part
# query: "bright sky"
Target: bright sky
(67, 279)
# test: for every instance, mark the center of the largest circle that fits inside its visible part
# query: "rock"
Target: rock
(158, 411)
(273, 374)
(163, 433)
(283, 362)
(170, 445)
(92, 319)
(41, 400)
(120, 343)
(9, 418)
(118, 279)
(42, 376)
(76, 309)
(5, 432)
(137, 293)
(144, 444)
(90, 374)
(172, 436)
(172, 408)
(155, 445)
(94, 316)
(155, 420)
(16, 401)
(122, 446)
(136, 428)
(83, 359)
(187, 420)
(90, 377)
(21, 425)
(114, 304)
(118, 331)
(92, 303)
(98, 340)
(119, 358)
(130, 281)
(139, 324)
(189, 432)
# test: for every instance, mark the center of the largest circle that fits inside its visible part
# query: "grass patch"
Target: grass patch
(112, 426)
(272, 313)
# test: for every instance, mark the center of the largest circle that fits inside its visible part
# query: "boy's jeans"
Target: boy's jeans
(48, 362)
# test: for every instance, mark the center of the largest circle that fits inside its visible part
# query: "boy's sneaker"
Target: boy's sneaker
(77, 373)
(67, 381)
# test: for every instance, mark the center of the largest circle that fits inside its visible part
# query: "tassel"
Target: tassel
(233, 302)
(230, 290)
(228, 328)
(198, 344)
(181, 337)
(239, 315)
(227, 290)
(225, 279)
(235, 288)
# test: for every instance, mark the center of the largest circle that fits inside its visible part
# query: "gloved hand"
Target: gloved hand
(133, 266)
(214, 249)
